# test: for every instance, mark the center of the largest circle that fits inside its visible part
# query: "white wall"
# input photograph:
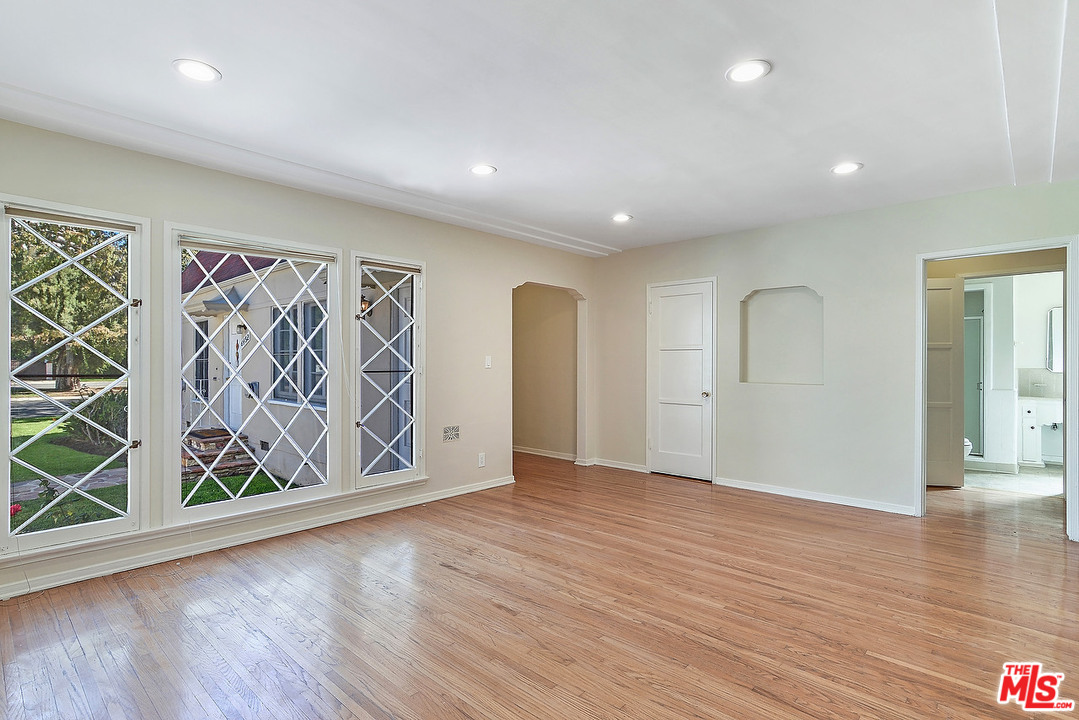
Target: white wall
(469, 281)
(1034, 295)
(854, 437)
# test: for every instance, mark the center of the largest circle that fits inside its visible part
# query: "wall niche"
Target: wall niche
(782, 336)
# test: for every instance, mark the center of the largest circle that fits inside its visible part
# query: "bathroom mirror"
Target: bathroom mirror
(1055, 351)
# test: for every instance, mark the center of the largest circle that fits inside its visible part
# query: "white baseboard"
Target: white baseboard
(975, 464)
(589, 462)
(182, 541)
(545, 453)
(620, 465)
(819, 497)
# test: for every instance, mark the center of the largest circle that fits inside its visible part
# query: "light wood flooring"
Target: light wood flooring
(575, 593)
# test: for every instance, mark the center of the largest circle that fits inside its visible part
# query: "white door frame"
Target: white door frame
(651, 391)
(1071, 369)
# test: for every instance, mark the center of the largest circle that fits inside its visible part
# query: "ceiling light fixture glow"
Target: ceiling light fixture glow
(196, 70)
(846, 168)
(748, 71)
(483, 169)
(621, 217)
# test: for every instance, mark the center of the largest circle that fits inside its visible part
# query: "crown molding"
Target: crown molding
(50, 113)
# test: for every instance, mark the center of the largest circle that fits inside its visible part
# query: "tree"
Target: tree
(70, 297)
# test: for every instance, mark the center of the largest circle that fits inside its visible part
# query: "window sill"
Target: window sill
(319, 406)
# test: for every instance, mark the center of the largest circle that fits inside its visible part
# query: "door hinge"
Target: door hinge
(135, 444)
(135, 302)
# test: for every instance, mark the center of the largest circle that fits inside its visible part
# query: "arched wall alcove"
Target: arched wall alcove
(549, 324)
(782, 336)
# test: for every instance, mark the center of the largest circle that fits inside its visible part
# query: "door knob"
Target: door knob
(705, 394)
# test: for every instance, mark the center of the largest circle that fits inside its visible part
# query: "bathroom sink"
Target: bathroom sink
(1046, 410)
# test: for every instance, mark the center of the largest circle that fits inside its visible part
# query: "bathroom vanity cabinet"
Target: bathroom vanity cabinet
(1034, 415)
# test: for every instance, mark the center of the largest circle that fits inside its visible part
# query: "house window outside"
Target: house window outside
(290, 364)
(283, 370)
(270, 338)
(314, 360)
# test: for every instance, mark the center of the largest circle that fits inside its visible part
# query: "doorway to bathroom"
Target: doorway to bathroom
(1002, 374)
(1013, 383)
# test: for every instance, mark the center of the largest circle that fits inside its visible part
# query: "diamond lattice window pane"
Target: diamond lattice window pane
(69, 316)
(253, 353)
(387, 372)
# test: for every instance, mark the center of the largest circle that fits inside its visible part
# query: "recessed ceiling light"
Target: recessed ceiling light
(483, 169)
(621, 217)
(748, 71)
(846, 168)
(196, 70)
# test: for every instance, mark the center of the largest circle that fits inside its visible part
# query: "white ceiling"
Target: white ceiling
(587, 107)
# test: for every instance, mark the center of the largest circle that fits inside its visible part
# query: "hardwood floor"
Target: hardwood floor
(576, 593)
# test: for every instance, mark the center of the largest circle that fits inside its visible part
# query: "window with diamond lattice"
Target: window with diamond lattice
(387, 356)
(269, 324)
(70, 315)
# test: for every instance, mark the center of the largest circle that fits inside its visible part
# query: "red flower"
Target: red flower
(15, 508)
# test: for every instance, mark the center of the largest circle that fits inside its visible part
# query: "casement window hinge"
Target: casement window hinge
(135, 302)
(135, 444)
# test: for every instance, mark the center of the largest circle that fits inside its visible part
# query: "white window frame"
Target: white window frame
(418, 473)
(138, 360)
(174, 512)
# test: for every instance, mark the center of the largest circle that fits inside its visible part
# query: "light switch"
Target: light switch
(487, 361)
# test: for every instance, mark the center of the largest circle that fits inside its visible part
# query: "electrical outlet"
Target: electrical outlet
(482, 460)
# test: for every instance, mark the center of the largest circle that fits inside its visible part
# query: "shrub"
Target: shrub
(109, 410)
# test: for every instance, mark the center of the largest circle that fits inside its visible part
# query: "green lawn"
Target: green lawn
(211, 492)
(50, 456)
(72, 510)
(76, 510)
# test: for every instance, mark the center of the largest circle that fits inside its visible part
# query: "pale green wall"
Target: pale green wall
(853, 436)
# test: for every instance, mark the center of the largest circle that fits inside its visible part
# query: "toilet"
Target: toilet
(967, 447)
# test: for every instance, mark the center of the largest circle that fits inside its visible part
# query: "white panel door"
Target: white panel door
(944, 382)
(681, 358)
